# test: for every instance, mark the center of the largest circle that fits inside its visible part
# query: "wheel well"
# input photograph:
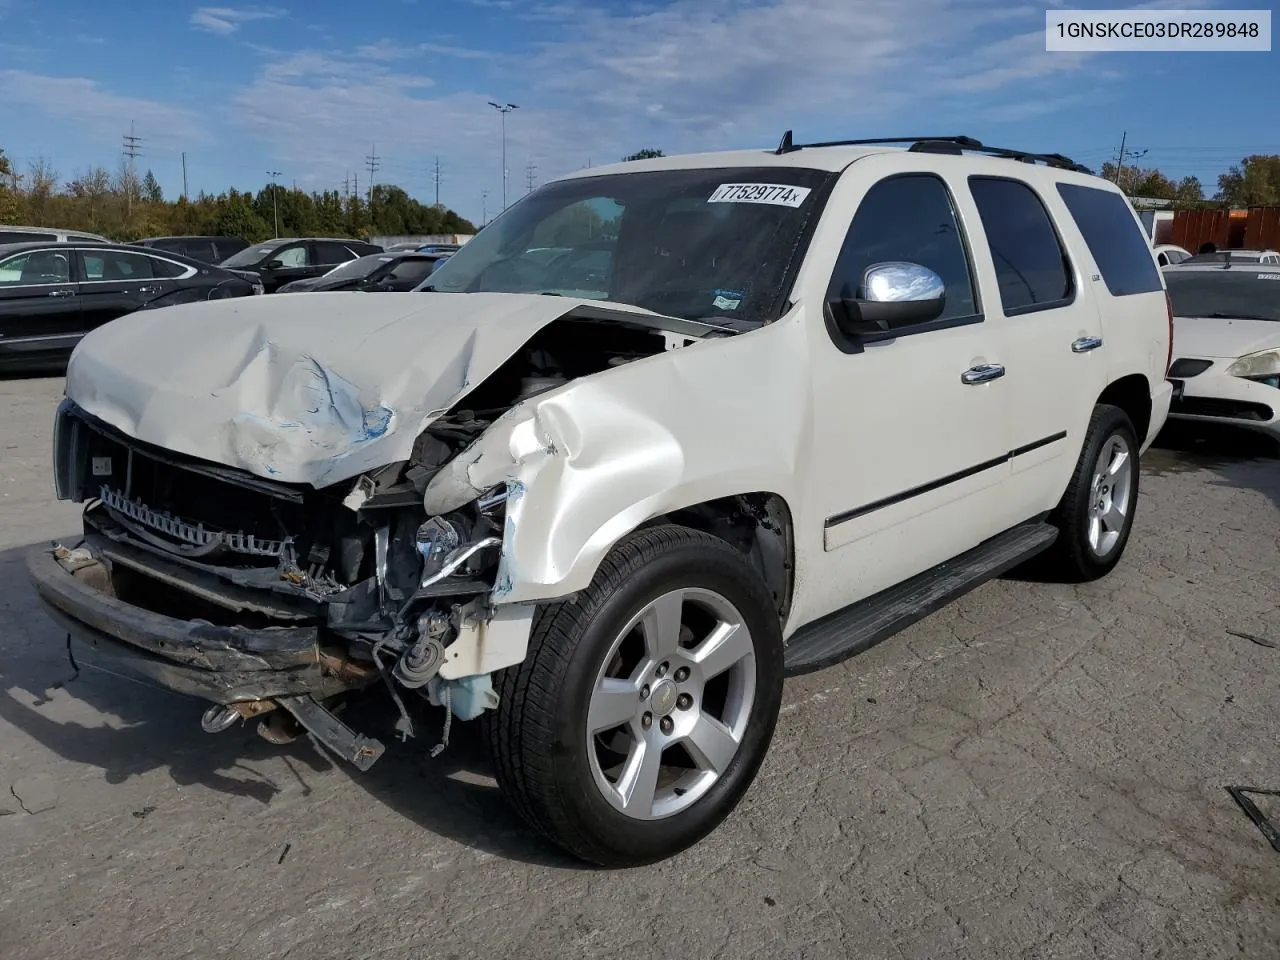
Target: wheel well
(1132, 394)
(759, 525)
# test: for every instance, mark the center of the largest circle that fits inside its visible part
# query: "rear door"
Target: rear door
(114, 282)
(407, 274)
(1052, 330)
(39, 306)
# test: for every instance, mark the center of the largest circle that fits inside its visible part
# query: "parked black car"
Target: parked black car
(379, 272)
(205, 249)
(277, 262)
(52, 294)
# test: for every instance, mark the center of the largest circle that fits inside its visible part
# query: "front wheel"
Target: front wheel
(1096, 513)
(644, 708)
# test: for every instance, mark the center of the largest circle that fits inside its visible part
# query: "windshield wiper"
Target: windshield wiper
(1240, 316)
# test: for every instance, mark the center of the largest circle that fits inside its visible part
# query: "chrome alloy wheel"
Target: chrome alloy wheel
(1110, 495)
(671, 704)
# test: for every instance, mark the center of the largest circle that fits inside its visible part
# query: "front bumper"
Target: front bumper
(222, 664)
(1216, 397)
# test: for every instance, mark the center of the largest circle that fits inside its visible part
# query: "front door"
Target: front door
(911, 439)
(295, 261)
(39, 308)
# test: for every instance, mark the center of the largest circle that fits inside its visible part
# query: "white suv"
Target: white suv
(662, 433)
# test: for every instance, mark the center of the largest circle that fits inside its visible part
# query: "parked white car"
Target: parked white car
(810, 396)
(16, 234)
(1169, 253)
(1226, 344)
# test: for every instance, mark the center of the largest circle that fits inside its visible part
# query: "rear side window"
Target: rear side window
(167, 268)
(1113, 236)
(329, 252)
(20, 236)
(1031, 266)
(109, 265)
(173, 246)
(199, 250)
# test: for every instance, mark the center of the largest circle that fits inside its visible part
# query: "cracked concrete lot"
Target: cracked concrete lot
(1037, 771)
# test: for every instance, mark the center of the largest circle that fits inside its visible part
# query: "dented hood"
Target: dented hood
(312, 389)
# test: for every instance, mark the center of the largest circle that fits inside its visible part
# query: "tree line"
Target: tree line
(124, 206)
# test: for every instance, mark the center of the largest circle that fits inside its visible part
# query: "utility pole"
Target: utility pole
(484, 200)
(528, 176)
(275, 207)
(373, 163)
(504, 109)
(1125, 155)
(184, 174)
(132, 151)
(436, 177)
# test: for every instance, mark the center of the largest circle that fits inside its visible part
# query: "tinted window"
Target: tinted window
(19, 236)
(167, 268)
(75, 239)
(250, 257)
(333, 253)
(908, 218)
(412, 271)
(227, 248)
(1031, 266)
(36, 267)
(1113, 236)
(112, 265)
(199, 250)
(173, 246)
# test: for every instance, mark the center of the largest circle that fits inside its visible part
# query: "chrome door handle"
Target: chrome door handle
(982, 373)
(61, 293)
(1085, 344)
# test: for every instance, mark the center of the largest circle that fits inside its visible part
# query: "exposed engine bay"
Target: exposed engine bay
(386, 588)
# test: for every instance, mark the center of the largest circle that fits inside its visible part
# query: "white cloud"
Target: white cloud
(100, 112)
(227, 20)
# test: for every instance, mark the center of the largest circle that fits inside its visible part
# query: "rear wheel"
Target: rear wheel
(643, 709)
(1096, 513)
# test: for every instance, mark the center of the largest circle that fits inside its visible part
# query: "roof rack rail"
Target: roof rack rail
(946, 145)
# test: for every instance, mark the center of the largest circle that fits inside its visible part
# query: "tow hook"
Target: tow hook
(219, 718)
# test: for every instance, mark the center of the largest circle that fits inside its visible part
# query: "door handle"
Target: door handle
(1085, 344)
(982, 373)
(61, 293)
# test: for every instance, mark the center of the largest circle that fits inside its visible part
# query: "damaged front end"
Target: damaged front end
(270, 599)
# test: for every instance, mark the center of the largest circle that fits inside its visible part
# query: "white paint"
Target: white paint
(307, 389)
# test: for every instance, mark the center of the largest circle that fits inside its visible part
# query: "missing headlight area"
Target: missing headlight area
(391, 593)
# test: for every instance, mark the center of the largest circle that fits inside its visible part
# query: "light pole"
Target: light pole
(484, 209)
(504, 109)
(275, 205)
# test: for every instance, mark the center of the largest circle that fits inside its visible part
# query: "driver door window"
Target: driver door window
(297, 255)
(908, 218)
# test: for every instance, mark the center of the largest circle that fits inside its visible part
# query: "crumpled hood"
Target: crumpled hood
(302, 389)
(1214, 337)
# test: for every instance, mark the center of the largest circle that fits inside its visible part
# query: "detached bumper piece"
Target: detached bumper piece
(252, 670)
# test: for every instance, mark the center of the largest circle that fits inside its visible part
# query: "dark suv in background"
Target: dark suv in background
(277, 262)
(204, 249)
(52, 294)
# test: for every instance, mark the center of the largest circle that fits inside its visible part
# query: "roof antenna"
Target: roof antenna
(786, 146)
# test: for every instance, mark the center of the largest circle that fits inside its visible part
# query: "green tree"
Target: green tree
(1254, 182)
(151, 189)
(648, 153)
(10, 201)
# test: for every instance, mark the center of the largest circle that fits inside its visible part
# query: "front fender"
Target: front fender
(587, 463)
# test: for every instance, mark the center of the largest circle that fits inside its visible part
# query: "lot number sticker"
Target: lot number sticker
(777, 194)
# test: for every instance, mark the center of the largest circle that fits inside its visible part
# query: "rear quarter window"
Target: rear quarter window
(1116, 241)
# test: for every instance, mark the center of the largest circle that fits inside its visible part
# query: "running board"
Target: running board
(859, 627)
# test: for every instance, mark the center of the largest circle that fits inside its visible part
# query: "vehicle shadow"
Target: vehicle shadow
(127, 729)
(1245, 459)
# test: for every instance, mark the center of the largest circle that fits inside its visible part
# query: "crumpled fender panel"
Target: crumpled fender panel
(589, 462)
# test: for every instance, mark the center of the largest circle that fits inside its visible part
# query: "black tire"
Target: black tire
(1073, 558)
(537, 736)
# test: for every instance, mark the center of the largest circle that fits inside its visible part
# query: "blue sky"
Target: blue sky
(311, 88)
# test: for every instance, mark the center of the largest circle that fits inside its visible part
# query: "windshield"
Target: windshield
(358, 269)
(720, 245)
(249, 257)
(1227, 293)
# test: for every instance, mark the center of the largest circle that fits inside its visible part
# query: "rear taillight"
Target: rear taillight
(1168, 360)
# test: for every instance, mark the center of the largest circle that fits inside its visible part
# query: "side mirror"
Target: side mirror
(894, 294)
(274, 265)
